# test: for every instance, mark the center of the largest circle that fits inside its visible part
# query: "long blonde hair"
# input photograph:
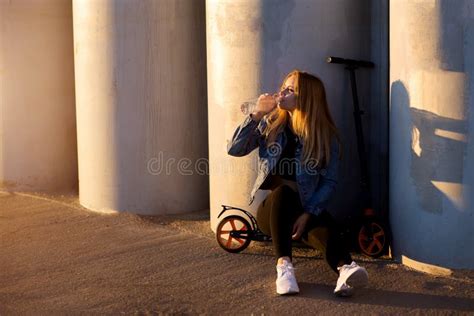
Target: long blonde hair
(311, 119)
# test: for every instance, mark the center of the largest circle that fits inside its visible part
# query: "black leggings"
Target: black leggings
(276, 216)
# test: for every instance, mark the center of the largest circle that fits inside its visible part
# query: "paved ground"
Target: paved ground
(56, 257)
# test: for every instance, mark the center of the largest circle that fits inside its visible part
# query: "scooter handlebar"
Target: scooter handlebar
(350, 62)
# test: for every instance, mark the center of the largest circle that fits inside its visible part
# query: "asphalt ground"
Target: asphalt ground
(56, 257)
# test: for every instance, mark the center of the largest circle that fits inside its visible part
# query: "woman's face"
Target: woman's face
(287, 97)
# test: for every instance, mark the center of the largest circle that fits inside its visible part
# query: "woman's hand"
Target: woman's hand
(300, 225)
(265, 104)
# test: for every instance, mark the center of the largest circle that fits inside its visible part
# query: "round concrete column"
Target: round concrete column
(37, 114)
(141, 105)
(431, 119)
(252, 45)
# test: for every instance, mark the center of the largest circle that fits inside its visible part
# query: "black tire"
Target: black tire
(373, 239)
(224, 229)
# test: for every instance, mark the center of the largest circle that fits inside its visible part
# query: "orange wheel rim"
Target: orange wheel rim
(372, 245)
(225, 233)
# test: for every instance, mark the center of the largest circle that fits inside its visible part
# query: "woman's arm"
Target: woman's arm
(327, 183)
(246, 137)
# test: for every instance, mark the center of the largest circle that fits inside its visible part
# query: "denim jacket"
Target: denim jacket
(315, 185)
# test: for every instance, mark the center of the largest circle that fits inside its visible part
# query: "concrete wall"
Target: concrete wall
(37, 113)
(253, 44)
(431, 118)
(234, 46)
(376, 117)
(141, 104)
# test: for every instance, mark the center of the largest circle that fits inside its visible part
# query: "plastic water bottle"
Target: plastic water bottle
(249, 106)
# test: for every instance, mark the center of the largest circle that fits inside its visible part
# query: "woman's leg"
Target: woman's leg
(323, 234)
(275, 217)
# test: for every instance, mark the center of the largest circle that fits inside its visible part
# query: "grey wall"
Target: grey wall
(38, 149)
(431, 118)
(141, 105)
(252, 45)
(377, 115)
(301, 34)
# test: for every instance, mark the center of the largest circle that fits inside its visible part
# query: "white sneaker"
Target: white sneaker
(286, 281)
(350, 276)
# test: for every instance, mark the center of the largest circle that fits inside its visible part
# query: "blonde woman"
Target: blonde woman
(299, 151)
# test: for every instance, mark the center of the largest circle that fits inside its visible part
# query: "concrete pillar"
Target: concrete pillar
(431, 118)
(141, 105)
(37, 114)
(252, 45)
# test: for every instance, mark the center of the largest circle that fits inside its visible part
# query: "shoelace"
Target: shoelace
(352, 265)
(286, 269)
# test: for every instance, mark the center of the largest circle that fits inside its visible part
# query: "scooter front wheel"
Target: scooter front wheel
(233, 233)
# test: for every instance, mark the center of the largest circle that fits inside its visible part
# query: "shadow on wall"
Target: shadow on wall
(288, 41)
(436, 147)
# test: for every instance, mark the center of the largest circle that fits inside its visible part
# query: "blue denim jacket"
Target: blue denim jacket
(315, 185)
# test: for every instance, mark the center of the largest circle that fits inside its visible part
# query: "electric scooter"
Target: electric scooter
(367, 230)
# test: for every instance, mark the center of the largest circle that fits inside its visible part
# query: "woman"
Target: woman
(298, 160)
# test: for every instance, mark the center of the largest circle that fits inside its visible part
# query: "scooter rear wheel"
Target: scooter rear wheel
(372, 239)
(226, 227)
